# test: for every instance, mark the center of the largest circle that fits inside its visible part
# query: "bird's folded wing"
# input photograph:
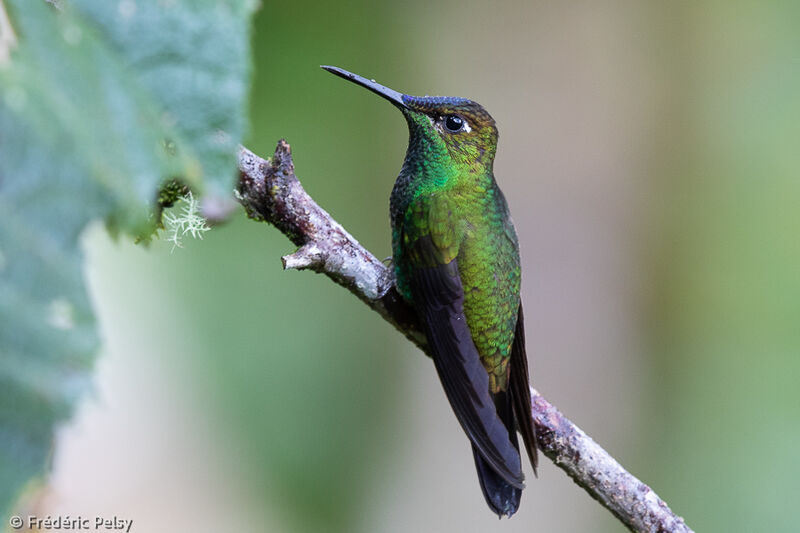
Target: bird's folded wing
(439, 298)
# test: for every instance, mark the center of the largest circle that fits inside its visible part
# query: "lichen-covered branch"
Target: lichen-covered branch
(270, 192)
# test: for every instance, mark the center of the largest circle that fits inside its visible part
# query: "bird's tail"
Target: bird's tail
(502, 497)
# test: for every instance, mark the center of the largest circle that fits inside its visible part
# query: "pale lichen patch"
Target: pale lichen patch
(183, 219)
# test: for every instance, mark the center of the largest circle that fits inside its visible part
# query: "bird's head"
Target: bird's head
(458, 127)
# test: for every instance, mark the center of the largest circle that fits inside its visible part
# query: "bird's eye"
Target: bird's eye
(453, 123)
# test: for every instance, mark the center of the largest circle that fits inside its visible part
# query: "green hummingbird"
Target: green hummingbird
(456, 261)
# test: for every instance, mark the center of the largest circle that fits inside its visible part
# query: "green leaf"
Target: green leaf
(102, 103)
(193, 58)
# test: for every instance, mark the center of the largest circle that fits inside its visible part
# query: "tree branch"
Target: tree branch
(270, 192)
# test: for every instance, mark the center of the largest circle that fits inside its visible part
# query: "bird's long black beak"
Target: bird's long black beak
(390, 94)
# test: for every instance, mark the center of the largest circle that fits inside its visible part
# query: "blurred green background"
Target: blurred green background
(649, 154)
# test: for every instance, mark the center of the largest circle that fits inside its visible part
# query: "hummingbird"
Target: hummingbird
(456, 261)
